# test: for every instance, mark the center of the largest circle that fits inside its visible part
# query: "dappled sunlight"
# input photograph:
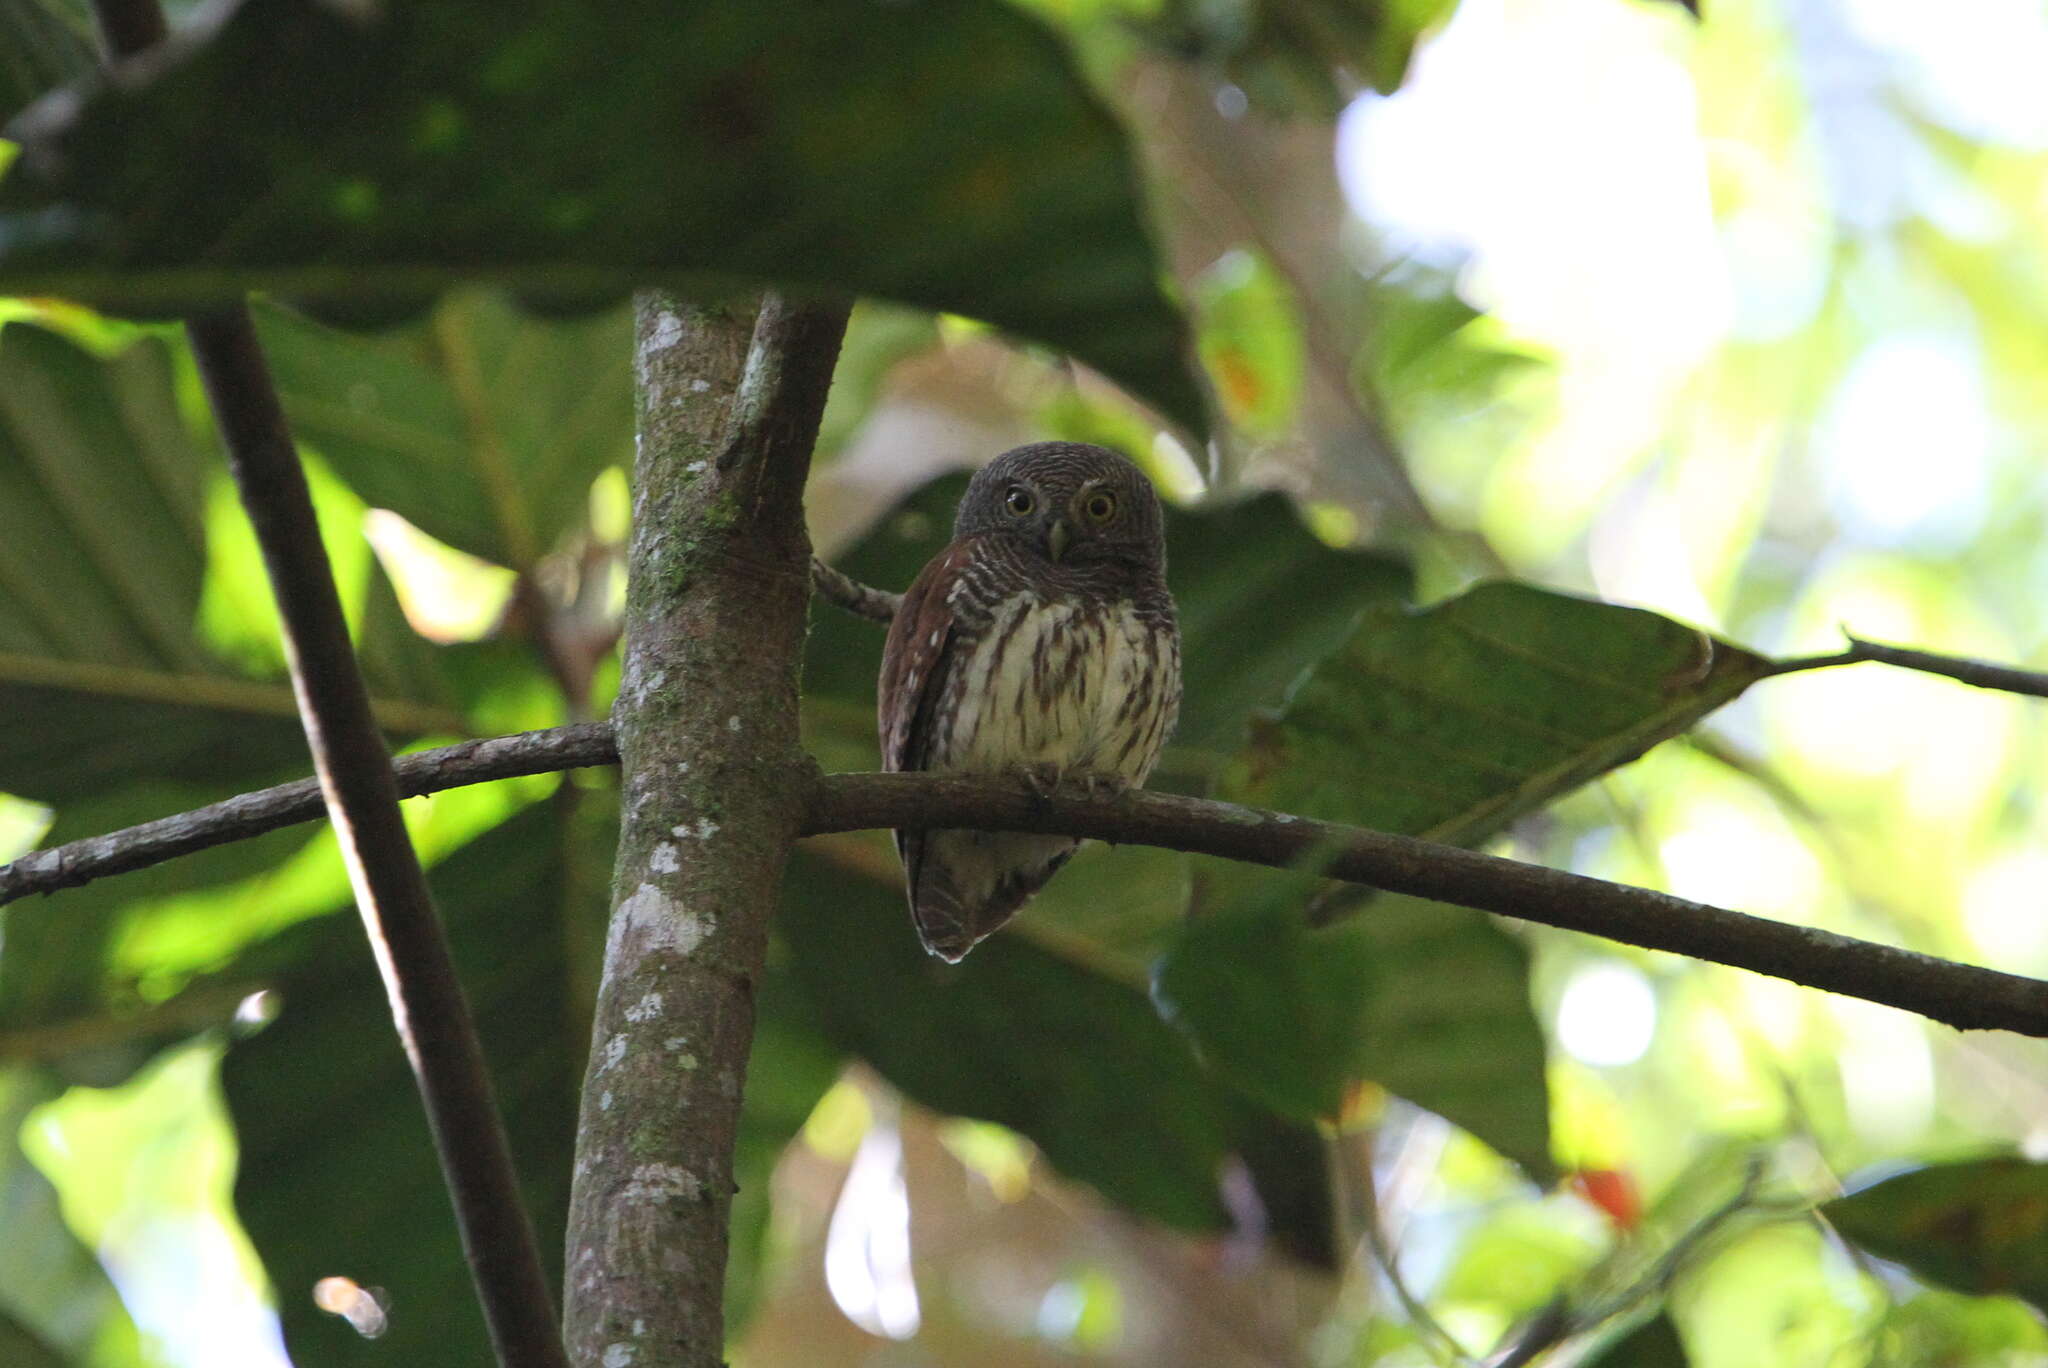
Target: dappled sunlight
(144, 1171)
(1737, 319)
(2005, 910)
(1905, 399)
(1607, 1015)
(867, 1250)
(446, 595)
(1734, 850)
(1887, 1074)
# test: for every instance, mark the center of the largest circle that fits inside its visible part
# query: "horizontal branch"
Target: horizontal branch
(252, 814)
(1959, 995)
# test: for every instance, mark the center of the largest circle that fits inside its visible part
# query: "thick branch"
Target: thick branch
(862, 600)
(713, 783)
(1960, 995)
(349, 756)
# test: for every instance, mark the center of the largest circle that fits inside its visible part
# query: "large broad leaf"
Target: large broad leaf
(479, 424)
(337, 1174)
(1452, 722)
(1078, 1063)
(1430, 1002)
(1979, 1227)
(941, 153)
(128, 579)
(56, 1303)
(43, 44)
(56, 963)
(1260, 601)
(104, 678)
(1447, 723)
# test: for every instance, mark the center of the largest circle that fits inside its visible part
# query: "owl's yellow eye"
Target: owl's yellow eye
(1101, 506)
(1019, 500)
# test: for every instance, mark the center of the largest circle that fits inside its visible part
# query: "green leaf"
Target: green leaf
(1453, 721)
(56, 1302)
(1946, 1327)
(42, 45)
(1076, 1062)
(1260, 601)
(127, 578)
(943, 154)
(480, 425)
(1249, 336)
(1430, 1002)
(22, 1347)
(1653, 1344)
(103, 677)
(337, 1173)
(1979, 1226)
(57, 956)
(1447, 723)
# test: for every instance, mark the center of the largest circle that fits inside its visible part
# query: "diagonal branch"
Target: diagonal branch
(862, 600)
(427, 1004)
(1960, 995)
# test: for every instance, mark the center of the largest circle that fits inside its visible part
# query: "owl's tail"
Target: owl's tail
(965, 884)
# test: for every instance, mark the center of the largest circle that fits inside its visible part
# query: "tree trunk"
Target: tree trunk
(712, 786)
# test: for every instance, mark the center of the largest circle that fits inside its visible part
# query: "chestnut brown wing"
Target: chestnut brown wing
(916, 661)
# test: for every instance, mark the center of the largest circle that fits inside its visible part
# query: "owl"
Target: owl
(1041, 641)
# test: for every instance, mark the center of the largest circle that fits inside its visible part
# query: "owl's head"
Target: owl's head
(1068, 502)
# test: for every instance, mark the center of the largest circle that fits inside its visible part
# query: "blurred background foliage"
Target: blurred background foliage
(1736, 320)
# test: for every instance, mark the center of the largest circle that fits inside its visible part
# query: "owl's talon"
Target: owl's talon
(1041, 777)
(1099, 785)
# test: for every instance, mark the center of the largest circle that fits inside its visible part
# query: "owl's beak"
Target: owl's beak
(1057, 537)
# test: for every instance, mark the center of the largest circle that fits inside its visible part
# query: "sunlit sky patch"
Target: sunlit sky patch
(1607, 1014)
(1594, 237)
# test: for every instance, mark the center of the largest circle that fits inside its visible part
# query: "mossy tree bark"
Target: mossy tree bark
(713, 785)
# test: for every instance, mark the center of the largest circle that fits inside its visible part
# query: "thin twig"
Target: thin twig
(252, 814)
(349, 755)
(862, 600)
(1981, 673)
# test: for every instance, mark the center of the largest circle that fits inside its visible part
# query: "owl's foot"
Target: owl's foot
(1042, 777)
(1097, 785)
(1048, 780)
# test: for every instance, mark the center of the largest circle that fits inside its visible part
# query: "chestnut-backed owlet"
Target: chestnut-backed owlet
(1041, 641)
